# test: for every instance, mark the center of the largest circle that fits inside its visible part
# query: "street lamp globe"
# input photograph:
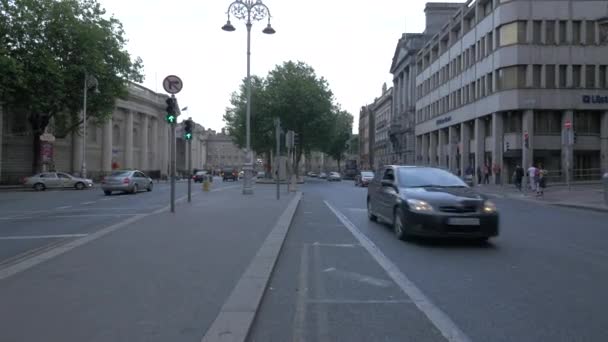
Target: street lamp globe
(228, 27)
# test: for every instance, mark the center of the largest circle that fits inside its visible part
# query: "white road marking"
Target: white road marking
(106, 199)
(345, 245)
(358, 209)
(359, 277)
(32, 237)
(86, 203)
(299, 321)
(440, 320)
(64, 207)
(355, 301)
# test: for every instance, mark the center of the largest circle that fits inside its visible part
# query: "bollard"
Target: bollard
(605, 181)
(206, 184)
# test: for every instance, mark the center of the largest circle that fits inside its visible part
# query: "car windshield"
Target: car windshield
(367, 174)
(120, 173)
(427, 177)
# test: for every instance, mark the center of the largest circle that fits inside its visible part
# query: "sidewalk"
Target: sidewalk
(587, 196)
(161, 277)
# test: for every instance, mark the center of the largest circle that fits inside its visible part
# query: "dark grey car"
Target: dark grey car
(426, 201)
(130, 181)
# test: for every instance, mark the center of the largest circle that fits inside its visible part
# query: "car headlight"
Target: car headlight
(418, 205)
(489, 207)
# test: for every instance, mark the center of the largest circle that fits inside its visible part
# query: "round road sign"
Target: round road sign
(172, 84)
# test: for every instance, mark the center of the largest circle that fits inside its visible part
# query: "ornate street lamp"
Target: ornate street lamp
(249, 11)
(90, 83)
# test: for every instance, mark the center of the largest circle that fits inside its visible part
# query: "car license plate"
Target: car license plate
(463, 221)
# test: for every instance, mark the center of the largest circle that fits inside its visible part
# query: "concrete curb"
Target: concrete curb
(236, 316)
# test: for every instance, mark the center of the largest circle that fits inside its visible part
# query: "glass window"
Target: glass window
(490, 80)
(512, 33)
(550, 32)
(120, 173)
(426, 176)
(512, 122)
(590, 32)
(547, 122)
(576, 32)
(490, 42)
(512, 77)
(587, 122)
(550, 76)
(602, 76)
(589, 76)
(482, 47)
(563, 32)
(576, 76)
(63, 176)
(563, 76)
(536, 68)
(536, 31)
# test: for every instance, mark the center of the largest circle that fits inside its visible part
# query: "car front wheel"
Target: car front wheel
(79, 186)
(39, 187)
(150, 187)
(370, 214)
(398, 226)
(135, 189)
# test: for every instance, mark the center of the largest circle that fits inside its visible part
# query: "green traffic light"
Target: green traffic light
(188, 136)
(170, 118)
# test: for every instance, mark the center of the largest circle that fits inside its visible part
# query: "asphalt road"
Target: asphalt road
(543, 279)
(32, 221)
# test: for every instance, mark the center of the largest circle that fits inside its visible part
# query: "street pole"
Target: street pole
(247, 188)
(83, 166)
(277, 127)
(189, 168)
(172, 164)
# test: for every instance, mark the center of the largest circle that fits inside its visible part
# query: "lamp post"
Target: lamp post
(90, 82)
(249, 11)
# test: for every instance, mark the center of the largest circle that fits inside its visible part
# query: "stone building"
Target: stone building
(507, 82)
(222, 152)
(382, 109)
(366, 138)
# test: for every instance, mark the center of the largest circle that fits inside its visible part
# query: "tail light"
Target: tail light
(103, 180)
(125, 181)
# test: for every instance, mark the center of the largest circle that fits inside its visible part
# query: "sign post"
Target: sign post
(172, 85)
(277, 128)
(569, 143)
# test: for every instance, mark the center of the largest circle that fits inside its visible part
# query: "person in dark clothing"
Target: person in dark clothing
(478, 175)
(518, 176)
(486, 174)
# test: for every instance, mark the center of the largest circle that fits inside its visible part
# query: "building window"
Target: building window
(512, 77)
(576, 32)
(482, 87)
(563, 32)
(116, 135)
(602, 76)
(490, 42)
(512, 33)
(589, 76)
(563, 76)
(590, 32)
(536, 31)
(547, 122)
(536, 68)
(550, 32)
(490, 80)
(483, 47)
(512, 122)
(549, 76)
(587, 122)
(576, 76)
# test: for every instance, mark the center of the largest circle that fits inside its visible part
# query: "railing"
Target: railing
(578, 175)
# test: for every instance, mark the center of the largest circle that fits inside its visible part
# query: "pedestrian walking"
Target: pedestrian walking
(518, 176)
(478, 174)
(541, 181)
(532, 171)
(496, 170)
(486, 174)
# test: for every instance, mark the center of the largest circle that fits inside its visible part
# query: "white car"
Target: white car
(323, 175)
(334, 177)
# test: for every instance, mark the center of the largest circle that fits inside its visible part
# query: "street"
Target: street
(338, 276)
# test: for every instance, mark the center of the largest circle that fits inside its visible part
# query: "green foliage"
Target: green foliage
(341, 134)
(47, 46)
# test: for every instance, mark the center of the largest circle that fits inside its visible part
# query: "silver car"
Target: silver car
(131, 181)
(57, 180)
(334, 177)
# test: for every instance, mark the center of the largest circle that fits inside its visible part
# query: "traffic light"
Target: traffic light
(171, 116)
(574, 138)
(188, 125)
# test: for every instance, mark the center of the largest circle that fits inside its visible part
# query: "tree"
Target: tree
(303, 102)
(341, 135)
(46, 48)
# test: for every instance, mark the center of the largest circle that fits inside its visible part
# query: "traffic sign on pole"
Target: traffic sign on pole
(568, 124)
(172, 84)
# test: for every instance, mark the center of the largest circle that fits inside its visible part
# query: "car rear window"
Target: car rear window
(120, 173)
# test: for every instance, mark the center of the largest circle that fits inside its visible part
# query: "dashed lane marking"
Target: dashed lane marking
(438, 318)
(87, 203)
(64, 207)
(33, 237)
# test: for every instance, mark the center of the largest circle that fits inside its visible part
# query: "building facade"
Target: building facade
(366, 138)
(198, 149)
(222, 152)
(508, 82)
(402, 125)
(381, 110)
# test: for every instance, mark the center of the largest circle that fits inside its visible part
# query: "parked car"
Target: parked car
(131, 181)
(49, 180)
(261, 174)
(229, 174)
(334, 177)
(363, 178)
(323, 175)
(200, 176)
(426, 201)
(312, 174)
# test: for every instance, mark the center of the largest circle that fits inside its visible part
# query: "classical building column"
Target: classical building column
(442, 142)
(567, 148)
(76, 151)
(106, 147)
(452, 149)
(604, 142)
(497, 146)
(480, 147)
(433, 148)
(527, 155)
(465, 141)
(155, 143)
(144, 155)
(129, 139)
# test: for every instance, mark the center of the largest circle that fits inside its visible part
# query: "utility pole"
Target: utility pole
(189, 168)
(277, 128)
(172, 85)
(172, 164)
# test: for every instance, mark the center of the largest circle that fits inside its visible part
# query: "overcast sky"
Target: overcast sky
(350, 43)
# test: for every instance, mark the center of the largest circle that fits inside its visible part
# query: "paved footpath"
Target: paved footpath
(155, 277)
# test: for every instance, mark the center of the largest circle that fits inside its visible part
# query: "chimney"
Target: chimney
(439, 13)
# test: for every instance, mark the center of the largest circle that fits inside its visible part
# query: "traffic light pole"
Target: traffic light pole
(172, 164)
(189, 168)
(277, 127)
